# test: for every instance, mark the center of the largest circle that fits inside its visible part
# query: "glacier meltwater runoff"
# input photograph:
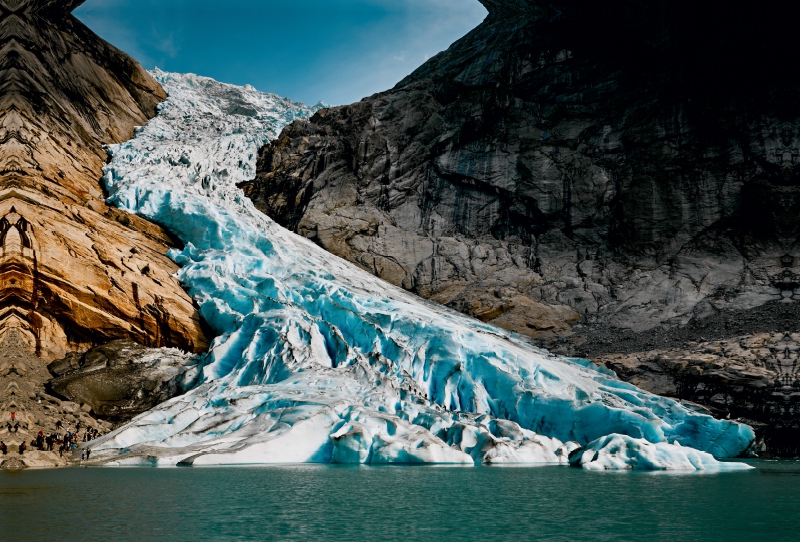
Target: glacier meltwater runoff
(316, 360)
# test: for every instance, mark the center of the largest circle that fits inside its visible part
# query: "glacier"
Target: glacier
(316, 360)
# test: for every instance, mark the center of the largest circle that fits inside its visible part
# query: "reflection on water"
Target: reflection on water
(310, 502)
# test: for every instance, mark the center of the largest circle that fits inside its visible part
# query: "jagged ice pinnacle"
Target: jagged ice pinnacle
(316, 360)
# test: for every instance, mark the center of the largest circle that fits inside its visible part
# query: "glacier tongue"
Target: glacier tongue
(316, 360)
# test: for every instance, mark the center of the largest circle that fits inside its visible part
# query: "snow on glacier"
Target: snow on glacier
(316, 360)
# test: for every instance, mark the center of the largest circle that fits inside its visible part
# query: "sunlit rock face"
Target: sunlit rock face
(578, 172)
(74, 272)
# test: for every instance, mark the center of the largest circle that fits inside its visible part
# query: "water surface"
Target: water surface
(312, 502)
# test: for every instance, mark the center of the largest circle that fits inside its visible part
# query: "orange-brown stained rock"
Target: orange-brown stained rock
(75, 272)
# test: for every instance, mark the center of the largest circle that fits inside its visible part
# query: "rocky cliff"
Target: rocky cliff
(74, 272)
(606, 178)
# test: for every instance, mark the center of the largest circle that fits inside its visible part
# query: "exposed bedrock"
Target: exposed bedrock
(605, 177)
(23, 393)
(75, 273)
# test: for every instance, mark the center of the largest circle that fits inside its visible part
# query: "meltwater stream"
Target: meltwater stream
(323, 503)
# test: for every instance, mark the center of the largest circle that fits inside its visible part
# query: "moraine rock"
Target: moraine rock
(755, 378)
(23, 392)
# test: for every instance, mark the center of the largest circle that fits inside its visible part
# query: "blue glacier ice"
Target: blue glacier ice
(316, 360)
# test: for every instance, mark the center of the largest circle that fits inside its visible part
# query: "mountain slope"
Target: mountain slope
(562, 163)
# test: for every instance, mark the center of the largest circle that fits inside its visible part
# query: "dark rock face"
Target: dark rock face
(578, 172)
(754, 378)
(122, 379)
(617, 169)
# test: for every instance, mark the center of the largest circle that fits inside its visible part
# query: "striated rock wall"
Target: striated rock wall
(564, 165)
(74, 272)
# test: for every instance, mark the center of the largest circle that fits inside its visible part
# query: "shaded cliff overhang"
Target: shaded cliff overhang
(728, 56)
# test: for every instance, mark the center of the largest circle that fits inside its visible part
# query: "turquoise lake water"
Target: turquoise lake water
(399, 503)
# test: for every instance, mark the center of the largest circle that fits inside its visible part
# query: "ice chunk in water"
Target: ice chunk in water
(618, 452)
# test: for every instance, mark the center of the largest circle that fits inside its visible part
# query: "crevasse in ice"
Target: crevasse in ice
(316, 360)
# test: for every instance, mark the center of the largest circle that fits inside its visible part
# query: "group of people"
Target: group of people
(66, 442)
(63, 442)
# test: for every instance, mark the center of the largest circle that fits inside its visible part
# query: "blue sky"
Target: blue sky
(338, 51)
